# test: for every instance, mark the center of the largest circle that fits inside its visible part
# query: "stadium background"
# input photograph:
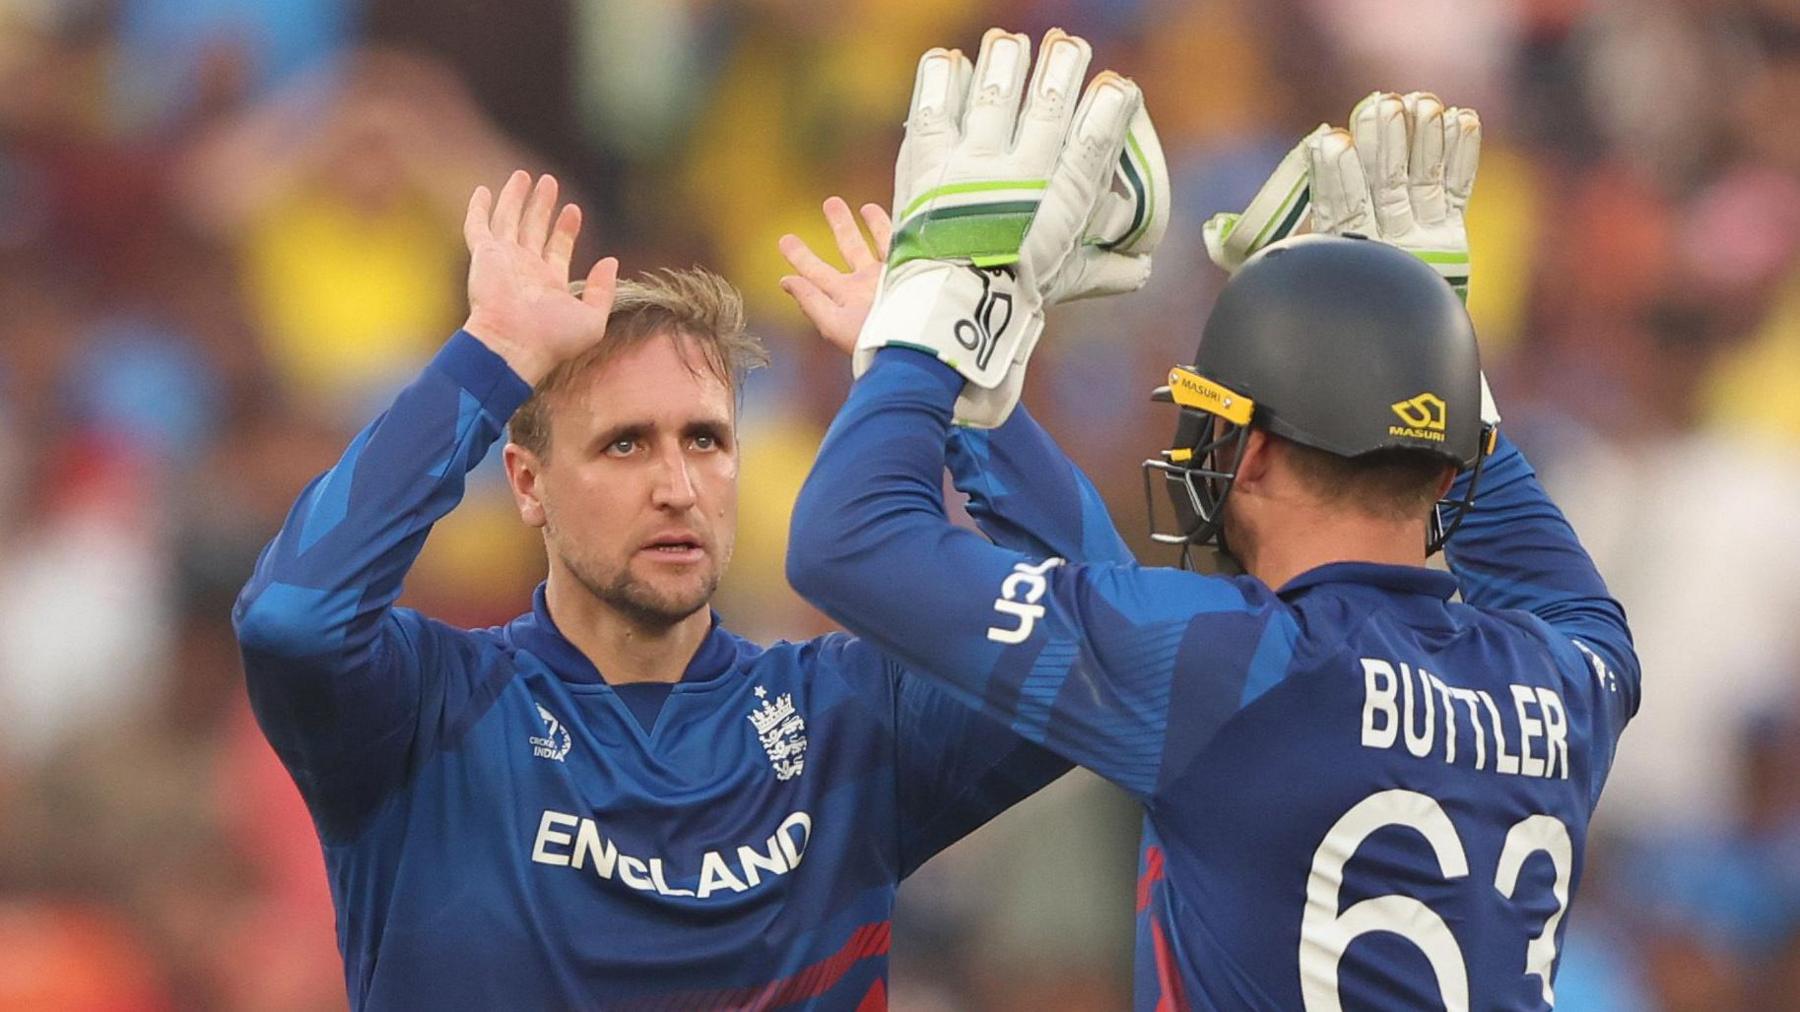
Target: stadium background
(229, 227)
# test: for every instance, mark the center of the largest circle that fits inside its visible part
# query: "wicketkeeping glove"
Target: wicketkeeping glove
(1402, 175)
(999, 213)
(1282, 207)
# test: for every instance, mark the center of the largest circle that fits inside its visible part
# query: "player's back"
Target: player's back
(1393, 818)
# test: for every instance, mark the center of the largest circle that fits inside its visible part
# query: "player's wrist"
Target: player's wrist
(530, 362)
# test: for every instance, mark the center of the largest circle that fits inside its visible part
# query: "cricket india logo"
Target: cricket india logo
(782, 733)
(555, 741)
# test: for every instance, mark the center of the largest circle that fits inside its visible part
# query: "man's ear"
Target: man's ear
(523, 468)
(1447, 479)
(1255, 459)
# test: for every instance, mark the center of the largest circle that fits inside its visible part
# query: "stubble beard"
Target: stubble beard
(638, 601)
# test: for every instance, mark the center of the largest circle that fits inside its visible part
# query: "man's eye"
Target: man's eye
(621, 447)
(705, 443)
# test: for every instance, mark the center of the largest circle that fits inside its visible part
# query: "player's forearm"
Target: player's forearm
(1002, 631)
(1515, 550)
(1026, 494)
(870, 543)
(322, 585)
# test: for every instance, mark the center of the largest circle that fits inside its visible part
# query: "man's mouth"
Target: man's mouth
(675, 548)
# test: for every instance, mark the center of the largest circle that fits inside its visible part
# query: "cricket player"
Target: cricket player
(1359, 793)
(612, 801)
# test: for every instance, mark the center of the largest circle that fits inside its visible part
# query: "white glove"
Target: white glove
(992, 228)
(1402, 174)
(1113, 259)
(1282, 207)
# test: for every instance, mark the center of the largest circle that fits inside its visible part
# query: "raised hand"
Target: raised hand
(520, 305)
(1402, 173)
(993, 200)
(837, 301)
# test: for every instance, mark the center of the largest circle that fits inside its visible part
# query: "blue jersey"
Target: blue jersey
(1358, 793)
(501, 831)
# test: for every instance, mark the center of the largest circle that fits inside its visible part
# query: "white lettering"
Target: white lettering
(715, 874)
(1027, 614)
(1468, 698)
(780, 853)
(1418, 744)
(1529, 728)
(1503, 761)
(635, 873)
(546, 835)
(1401, 702)
(755, 863)
(1443, 692)
(1378, 701)
(662, 885)
(1032, 583)
(1019, 594)
(588, 841)
(802, 822)
(1556, 728)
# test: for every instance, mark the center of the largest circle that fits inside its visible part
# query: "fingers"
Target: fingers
(1462, 150)
(1425, 159)
(809, 265)
(475, 222)
(993, 107)
(850, 241)
(1082, 175)
(818, 307)
(510, 206)
(602, 284)
(1378, 125)
(534, 224)
(1100, 126)
(940, 92)
(1055, 83)
(881, 227)
(1340, 194)
(561, 246)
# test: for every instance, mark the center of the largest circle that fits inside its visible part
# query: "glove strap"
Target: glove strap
(974, 320)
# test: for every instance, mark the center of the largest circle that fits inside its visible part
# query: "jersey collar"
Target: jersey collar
(1400, 579)
(536, 632)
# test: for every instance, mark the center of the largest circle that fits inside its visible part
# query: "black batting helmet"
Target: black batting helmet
(1337, 343)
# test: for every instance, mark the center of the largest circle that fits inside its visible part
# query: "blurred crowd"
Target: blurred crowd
(229, 229)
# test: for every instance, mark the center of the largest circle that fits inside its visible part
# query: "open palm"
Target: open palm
(837, 301)
(520, 305)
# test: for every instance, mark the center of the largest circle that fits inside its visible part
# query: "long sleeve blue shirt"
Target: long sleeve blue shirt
(501, 831)
(1358, 792)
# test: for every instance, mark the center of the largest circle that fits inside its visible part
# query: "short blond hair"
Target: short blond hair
(694, 303)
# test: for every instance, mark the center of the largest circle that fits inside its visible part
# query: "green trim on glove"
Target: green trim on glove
(986, 235)
(979, 186)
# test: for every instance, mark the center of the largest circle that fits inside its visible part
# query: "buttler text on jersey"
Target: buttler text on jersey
(1405, 706)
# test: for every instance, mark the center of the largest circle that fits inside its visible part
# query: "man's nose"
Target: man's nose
(674, 487)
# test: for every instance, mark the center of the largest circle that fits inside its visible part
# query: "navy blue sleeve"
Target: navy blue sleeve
(1077, 657)
(1515, 550)
(958, 766)
(351, 691)
(1026, 494)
